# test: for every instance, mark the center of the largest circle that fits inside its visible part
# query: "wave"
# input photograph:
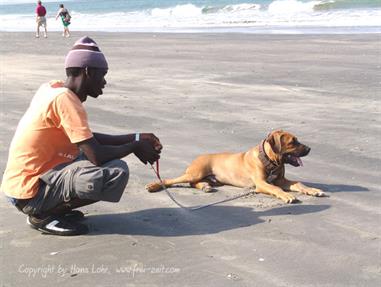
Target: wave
(292, 6)
(274, 7)
(346, 4)
(297, 6)
(187, 10)
(191, 10)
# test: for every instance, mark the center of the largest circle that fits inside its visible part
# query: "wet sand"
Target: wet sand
(204, 93)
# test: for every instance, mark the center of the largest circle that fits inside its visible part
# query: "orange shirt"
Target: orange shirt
(45, 137)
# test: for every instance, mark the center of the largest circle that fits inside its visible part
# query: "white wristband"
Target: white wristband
(137, 137)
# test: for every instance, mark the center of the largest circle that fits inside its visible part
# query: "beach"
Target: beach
(208, 93)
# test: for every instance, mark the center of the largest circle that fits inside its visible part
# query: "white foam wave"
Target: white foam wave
(190, 10)
(241, 7)
(187, 10)
(292, 6)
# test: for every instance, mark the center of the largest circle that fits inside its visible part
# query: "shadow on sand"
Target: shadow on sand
(180, 222)
(337, 187)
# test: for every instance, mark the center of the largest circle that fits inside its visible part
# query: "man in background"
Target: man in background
(40, 19)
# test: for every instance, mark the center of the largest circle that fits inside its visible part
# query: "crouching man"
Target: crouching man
(56, 163)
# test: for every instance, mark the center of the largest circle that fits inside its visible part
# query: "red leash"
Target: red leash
(157, 169)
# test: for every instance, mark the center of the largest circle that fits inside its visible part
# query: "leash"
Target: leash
(198, 207)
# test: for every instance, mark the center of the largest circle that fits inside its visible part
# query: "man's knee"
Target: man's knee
(119, 167)
(116, 163)
(105, 183)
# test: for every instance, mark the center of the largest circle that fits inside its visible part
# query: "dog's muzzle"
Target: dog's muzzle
(294, 158)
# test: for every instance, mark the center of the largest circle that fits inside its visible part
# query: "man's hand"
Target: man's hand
(146, 152)
(154, 140)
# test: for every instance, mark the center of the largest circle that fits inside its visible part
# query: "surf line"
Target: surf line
(198, 207)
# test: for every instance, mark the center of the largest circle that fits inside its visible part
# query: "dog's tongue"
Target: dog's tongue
(299, 161)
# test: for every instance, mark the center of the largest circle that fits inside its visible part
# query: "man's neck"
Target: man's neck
(71, 84)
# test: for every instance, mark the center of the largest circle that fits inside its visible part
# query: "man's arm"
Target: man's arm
(105, 139)
(115, 147)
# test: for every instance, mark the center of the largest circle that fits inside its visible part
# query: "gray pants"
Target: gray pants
(79, 179)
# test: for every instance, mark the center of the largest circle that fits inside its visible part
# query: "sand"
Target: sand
(211, 93)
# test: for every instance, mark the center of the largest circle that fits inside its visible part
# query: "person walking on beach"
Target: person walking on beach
(40, 19)
(56, 163)
(65, 17)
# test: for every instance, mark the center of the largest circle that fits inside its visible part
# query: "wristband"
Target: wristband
(137, 137)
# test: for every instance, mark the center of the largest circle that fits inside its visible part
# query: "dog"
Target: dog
(262, 167)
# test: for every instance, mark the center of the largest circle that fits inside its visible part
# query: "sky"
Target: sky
(2, 2)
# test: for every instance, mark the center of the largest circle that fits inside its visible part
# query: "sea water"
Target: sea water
(267, 16)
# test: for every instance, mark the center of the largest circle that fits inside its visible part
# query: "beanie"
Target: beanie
(85, 53)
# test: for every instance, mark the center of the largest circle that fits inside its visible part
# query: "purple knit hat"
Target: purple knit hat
(85, 53)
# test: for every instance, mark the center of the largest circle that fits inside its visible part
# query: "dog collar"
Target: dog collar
(270, 165)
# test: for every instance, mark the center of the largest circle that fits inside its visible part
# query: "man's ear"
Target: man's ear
(82, 81)
(87, 72)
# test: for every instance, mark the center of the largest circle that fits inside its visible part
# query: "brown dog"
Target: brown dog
(261, 167)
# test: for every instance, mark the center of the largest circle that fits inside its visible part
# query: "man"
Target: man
(56, 163)
(40, 19)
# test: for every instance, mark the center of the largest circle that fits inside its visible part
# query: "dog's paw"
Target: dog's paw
(316, 192)
(207, 188)
(289, 198)
(153, 187)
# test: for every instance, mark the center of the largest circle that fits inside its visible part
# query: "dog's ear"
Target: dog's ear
(275, 141)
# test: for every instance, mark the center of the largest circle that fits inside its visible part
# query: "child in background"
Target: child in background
(65, 17)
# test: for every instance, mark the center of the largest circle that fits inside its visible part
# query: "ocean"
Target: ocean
(258, 16)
